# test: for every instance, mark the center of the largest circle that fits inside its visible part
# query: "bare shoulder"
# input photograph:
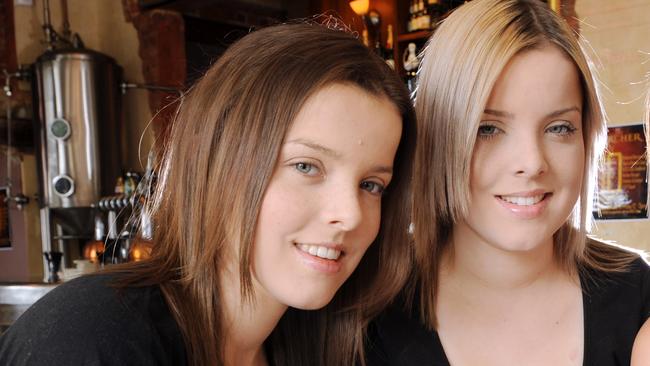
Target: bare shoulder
(641, 349)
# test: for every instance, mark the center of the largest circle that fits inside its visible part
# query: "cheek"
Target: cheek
(483, 171)
(569, 164)
(367, 231)
(281, 213)
(270, 215)
(283, 199)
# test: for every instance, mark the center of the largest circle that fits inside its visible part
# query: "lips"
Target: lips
(324, 258)
(525, 205)
(523, 201)
(320, 251)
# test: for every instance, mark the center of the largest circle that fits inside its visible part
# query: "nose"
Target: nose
(530, 157)
(342, 208)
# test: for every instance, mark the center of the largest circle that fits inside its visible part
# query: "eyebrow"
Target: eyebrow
(316, 146)
(329, 152)
(383, 169)
(563, 111)
(497, 113)
(559, 112)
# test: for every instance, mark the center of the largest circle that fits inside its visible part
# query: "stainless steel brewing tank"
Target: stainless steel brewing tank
(77, 104)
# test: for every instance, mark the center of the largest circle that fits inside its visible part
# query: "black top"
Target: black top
(88, 322)
(615, 307)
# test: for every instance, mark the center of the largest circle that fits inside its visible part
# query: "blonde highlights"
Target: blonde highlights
(462, 61)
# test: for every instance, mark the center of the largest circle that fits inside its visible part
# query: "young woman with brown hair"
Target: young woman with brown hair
(510, 131)
(273, 185)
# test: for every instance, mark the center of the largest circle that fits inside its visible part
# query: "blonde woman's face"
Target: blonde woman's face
(529, 157)
(322, 208)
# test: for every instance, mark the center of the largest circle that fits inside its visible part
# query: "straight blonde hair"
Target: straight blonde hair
(461, 64)
(219, 157)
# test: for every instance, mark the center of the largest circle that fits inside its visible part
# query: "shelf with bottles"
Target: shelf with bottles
(416, 22)
(129, 225)
(425, 15)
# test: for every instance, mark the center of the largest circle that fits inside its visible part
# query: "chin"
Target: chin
(521, 245)
(306, 302)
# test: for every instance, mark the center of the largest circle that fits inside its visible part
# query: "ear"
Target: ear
(641, 348)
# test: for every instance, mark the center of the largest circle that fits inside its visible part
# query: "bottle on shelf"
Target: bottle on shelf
(377, 47)
(141, 244)
(416, 22)
(130, 183)
(388, 52)
(421, 15)
(426, 20)
(410, 26)
(119, 185)
(411, 63)
(94, 249)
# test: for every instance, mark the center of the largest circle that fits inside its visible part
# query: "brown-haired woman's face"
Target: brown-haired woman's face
(322, 208)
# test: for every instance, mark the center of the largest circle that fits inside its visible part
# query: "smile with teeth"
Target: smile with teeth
(523, 201)
(320, 251)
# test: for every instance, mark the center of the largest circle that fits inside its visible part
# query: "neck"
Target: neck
(476, 263)
(247, 323)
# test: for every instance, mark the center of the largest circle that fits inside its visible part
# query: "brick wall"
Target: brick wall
(161, 34)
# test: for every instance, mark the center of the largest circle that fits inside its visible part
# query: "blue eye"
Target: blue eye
(372, 187)
(563, 129)
(487, 131)
(306, 168)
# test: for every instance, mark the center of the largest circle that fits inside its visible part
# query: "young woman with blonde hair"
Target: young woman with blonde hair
(284, 187)
(510, 131)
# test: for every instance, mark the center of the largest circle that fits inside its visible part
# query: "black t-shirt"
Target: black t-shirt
(615, 307)
(88, 322)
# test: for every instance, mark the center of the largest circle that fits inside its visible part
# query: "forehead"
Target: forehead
(343, 105)
(348, 119)
(538, 78)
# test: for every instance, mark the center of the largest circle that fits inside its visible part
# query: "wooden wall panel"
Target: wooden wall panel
(7, 40)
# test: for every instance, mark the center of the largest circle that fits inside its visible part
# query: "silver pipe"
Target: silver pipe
(46, 237)
(47, 25)
(125, 85)
(66, 22)
(8, 92)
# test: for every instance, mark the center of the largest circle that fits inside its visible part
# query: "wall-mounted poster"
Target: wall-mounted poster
(623, 176)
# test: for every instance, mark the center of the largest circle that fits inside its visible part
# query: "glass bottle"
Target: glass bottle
(388, 53)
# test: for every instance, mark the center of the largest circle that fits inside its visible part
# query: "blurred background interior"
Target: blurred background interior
(88, 86)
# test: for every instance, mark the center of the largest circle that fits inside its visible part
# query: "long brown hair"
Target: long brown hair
(217, 163)
(462, 61)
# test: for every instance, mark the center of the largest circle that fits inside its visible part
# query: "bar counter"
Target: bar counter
(15, 298)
